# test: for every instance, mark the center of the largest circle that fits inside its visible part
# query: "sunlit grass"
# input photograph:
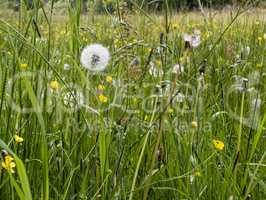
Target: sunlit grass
(135, 130)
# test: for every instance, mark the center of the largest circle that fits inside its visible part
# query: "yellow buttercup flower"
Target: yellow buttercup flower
(260, 40)
(109, 79)
(18, 139)
(197, 173)
(175, 25)
(54, 85)
(170, 110)
(259, 65)
(101, 87)
(8, 163)
(218, 144)
(23, 66)
(194, 124)
(102, 98)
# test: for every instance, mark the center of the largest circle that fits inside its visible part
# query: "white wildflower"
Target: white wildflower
(194, 39)
(180, 98)
(177, 69)
(74, 99)
(95, 57)
(154, 71)
(256, 103)
(66, 66)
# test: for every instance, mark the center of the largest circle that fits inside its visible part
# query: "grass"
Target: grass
(153, 138)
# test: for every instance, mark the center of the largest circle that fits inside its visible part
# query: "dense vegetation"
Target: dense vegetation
(158, 5)
(132, 105)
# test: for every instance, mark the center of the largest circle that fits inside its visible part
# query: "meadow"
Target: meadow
(132, 104)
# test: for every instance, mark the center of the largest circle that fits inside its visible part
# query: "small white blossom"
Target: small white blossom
(154, 71)
(177, 69)
(73, 99)
(66, 66)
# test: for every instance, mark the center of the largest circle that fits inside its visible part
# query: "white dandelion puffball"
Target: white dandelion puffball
(194, 39)
(95, 57)
(195, 42)
(187, 37)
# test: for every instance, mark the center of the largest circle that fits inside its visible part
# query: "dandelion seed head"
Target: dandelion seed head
(194, 39)
(95, 57)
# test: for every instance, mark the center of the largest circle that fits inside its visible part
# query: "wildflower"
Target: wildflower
(23, 66)
(180, 98)
(74, 98)
(8, 162)
(154, 71)
(194, 124)
(256, 103)
(54, 85)
(247, 50)
(109, 79)
(192, 40)
(102, 98)
(177, 69)
(95, 57)
(259, 65)
(18, 139)
(260, 40)
(175, 25)
(197, 173)
(101, 87)
(170, 110)
(218, 144)
(66, 66)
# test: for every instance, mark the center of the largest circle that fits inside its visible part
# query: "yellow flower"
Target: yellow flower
(170, 110)
(264, 36)
(175, 25)
(197, 173)
(218, 144)
(259, 40)
(101, 87)
(18, 139)
(259, 65)
(194, 124)
(8, 163)
(23, 66)
(102, 98)
(109, 79)
(54, 85)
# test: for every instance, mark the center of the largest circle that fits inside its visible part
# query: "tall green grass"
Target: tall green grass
(141, 144)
